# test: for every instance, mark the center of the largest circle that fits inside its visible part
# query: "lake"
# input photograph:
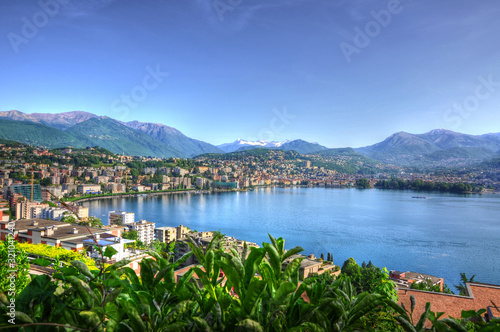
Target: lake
(442, 235)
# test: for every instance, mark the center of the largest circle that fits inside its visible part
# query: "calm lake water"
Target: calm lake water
(442, 236)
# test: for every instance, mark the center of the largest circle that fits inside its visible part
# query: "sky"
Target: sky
(340, 73)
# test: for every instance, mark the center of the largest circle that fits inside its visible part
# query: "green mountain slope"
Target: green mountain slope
(436, 148)
(302, 147)
(174, 139)
(36, 134)
(118, 138)
(347, 160)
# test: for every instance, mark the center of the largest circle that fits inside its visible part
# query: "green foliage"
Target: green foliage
(14, 269)
(362, 183)
(117, 138)
(428, 186)
(51, 252)
(222, 293)
(131, 235)
(369, 278)
(430, 287)
(45, 182)
(462, 287)
(35, 134)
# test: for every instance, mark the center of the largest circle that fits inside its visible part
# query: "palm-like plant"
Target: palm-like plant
(462, 287)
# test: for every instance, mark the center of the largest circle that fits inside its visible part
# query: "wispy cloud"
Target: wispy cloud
(238, 16)
(83, 9)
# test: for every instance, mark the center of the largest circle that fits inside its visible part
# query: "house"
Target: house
(406, 279)
(51, 232)
(307, 266)
(114, 242)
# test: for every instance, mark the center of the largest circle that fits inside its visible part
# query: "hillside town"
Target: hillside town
(72, 173)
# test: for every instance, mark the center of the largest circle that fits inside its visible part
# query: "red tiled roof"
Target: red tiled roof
(480, 297)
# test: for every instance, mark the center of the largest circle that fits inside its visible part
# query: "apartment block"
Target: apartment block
(145, 231)
(165, 234)
(120, 218)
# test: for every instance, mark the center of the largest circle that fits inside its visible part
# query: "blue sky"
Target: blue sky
(341, 73)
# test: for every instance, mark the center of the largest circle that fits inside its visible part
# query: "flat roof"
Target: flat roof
(421, 276)
(480, 297)
(24, 224)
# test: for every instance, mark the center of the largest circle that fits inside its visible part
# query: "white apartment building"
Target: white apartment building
(180, 171)
(145, 231)
(120, 218)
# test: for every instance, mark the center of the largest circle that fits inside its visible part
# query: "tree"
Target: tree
(462, 287)
(93, 222)
(45, 182)
(69, 218)
(131, 235)
(362, 183)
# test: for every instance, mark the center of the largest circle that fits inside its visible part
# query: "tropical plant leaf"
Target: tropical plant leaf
(252, 263)
(454, 324)
(292, 252)
(109, 252)
(250, 326)
(82, 268)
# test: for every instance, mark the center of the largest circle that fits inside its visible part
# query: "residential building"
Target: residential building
(51, 232)
(53, 213)
(180, 171)
(145, 231)
(54, 190)
(3, 214)
(166, 234)
(406, 279)
(25, 190)
(24, 209)
(88, 188)
(120, 218)
(307, 266)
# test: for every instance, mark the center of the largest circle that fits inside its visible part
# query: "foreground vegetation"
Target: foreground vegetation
(222, 293)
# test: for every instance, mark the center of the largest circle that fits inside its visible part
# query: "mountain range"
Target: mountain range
(298, 145)
(81, 129)
(437, 147)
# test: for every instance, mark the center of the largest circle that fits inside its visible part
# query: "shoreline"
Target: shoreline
(199, 191)
(149, 193)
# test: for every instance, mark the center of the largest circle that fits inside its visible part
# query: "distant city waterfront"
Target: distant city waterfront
(431, 233)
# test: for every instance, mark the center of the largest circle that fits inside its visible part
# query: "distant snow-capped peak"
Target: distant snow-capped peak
(230, 147)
